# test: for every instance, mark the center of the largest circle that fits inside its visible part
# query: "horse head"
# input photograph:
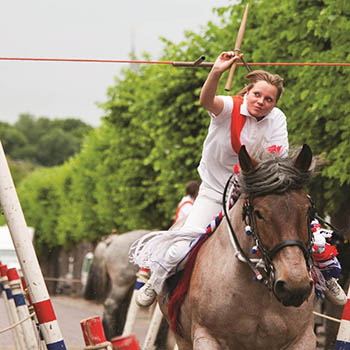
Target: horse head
(279, 213)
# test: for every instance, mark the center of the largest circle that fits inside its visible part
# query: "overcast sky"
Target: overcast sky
(99, 29)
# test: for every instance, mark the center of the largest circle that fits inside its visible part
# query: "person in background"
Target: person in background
(186, 203)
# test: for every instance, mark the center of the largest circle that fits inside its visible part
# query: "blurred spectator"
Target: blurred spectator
(186, 203)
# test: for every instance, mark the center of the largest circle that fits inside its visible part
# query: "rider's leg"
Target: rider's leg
(205, 207)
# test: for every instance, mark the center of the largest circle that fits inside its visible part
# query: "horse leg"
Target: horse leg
(202, 340)
(115, 310)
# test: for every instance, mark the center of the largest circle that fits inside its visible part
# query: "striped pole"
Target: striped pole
(128, 340)
(34, 318)
(343, 337)
(30, 335)
(11, 309)
(141, 278)
(153, 329)
(28, 259)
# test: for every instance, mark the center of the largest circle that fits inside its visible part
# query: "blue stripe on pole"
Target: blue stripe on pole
(56, 346)
(342, 345)
(8, 293)
(19, 299)
(139, 285)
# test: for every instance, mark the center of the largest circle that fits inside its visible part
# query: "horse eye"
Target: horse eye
(258, 215)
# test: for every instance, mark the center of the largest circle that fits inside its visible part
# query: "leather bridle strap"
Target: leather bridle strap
(286, 243)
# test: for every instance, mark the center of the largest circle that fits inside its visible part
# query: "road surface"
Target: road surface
(69, 312)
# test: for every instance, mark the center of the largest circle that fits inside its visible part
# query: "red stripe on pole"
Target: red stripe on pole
(346, 312)
(12, 274)
(3, 270)
(26, 292)
(44, 311)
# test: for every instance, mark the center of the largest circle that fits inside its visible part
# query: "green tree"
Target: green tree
(131, 171)
(43, 141)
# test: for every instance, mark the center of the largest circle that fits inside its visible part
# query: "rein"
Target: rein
(267, 255)
(240, 254)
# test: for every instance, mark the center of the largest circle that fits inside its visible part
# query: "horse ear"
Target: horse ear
(304, 158)
(245, 161)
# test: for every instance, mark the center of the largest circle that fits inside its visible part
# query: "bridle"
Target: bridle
(267, 255)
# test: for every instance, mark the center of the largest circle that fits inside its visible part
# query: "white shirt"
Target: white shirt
(218, 156)
(185, 208)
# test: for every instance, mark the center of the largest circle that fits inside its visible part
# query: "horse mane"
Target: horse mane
(273, 174)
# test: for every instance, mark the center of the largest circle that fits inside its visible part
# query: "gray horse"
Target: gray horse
(112, 278)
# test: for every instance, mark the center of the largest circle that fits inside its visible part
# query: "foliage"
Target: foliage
(19, 169)
(41, 194)
(132, 170)
(43, 141)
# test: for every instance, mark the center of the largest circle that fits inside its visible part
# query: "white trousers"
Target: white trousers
(164, 252)
(206, 206)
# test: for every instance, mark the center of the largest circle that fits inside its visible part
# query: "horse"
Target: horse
(112, 278)
(224, 307)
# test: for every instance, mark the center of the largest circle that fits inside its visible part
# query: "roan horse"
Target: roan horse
(224, 308)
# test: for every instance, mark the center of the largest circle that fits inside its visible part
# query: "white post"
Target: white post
(8, 312)
(27, 257)
(34, 318)
(11, 307)
(153, 329)
(30, 335)
(141, 278)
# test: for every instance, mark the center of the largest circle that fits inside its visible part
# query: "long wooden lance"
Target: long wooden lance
(198, 63)
(237, 48)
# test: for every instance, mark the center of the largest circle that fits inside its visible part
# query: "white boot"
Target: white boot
(146, 295)
(335, 293)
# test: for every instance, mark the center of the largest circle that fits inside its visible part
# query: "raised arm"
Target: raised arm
(208, 98)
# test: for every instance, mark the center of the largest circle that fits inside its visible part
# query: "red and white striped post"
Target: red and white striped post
(343, 337)
(27, 258)
(34, 318)
(18, 335)
(142, 277)
(153, 329)
(30, 335)
(128, 340)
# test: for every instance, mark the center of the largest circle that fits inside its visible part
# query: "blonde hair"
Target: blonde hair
(261, 75)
